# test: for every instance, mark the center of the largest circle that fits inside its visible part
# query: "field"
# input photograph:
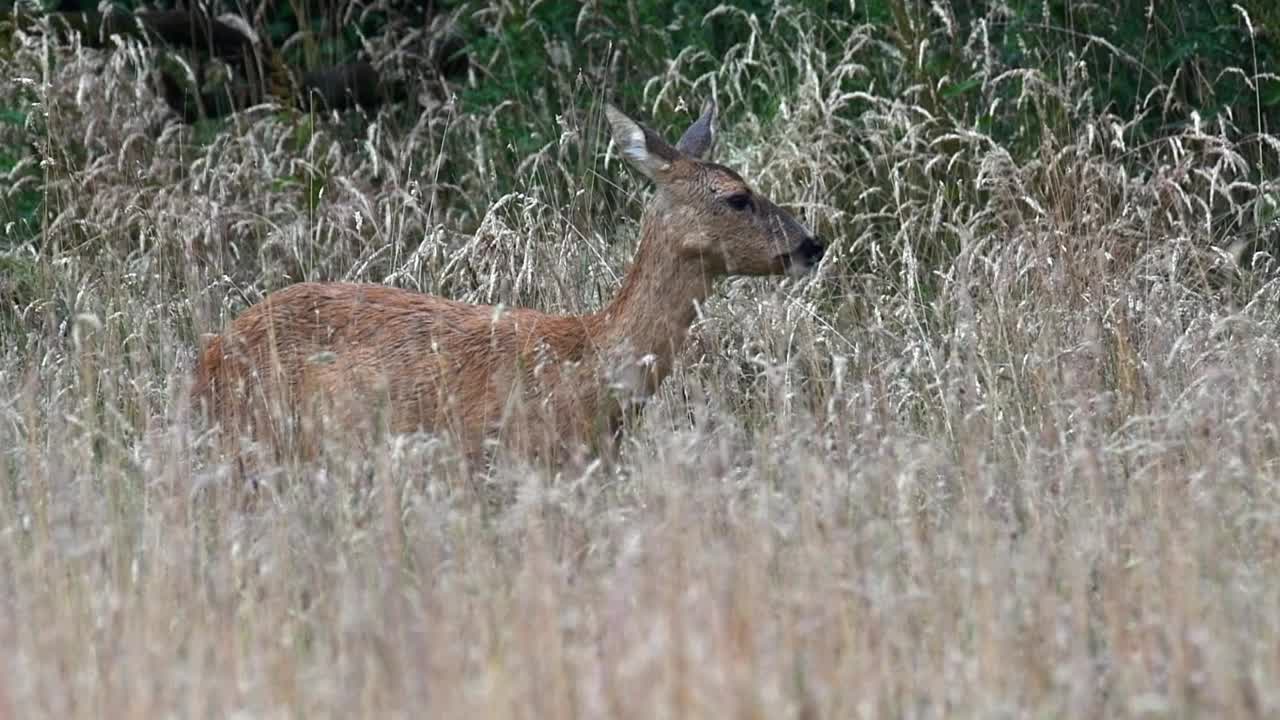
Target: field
(1013, 450)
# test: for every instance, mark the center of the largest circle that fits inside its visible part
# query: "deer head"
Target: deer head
(716, 218)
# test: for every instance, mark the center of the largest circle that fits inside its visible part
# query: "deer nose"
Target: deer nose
(811, 249)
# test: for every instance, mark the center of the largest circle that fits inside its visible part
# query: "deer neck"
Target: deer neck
(644, 327)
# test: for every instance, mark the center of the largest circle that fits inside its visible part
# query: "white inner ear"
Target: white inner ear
(630, 139)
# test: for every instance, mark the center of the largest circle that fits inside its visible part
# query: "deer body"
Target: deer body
(361, 353)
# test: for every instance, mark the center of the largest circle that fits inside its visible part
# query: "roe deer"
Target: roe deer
(418, 362)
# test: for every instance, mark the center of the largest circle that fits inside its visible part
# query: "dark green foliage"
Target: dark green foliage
(1160, 61)
(556, 59)
(20, 210)
(1163, 64)
(1160, 67)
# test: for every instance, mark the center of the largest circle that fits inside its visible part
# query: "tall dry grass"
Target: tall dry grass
(1011, 452)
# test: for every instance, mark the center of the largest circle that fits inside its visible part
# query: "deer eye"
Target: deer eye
(739, 201)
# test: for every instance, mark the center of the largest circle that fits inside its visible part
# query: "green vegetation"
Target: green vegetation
(1013, 450)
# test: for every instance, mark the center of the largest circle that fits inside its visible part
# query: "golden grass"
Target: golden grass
(1034, 475)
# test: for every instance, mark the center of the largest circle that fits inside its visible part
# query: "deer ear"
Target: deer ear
(699, 140)
(641, 146)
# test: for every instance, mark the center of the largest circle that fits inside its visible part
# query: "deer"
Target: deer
(339, 355)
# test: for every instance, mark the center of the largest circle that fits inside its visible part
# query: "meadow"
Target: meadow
(1013, 450)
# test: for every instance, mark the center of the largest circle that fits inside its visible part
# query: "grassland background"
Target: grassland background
(1011, 452)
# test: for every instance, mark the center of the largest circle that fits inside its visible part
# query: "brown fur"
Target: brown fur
(362, 357)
